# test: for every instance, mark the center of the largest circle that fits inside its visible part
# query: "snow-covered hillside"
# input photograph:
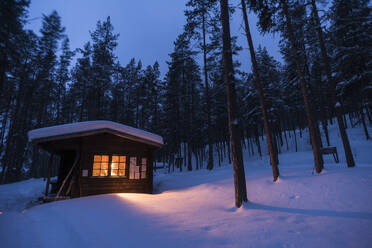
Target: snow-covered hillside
(196, 209)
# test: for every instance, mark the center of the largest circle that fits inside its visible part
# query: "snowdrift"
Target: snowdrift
(196, 209)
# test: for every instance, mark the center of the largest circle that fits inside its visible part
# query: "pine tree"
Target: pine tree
(233, 116)
(152, 77)
(198, 21)
(18, 114)
(182, 84)
(52, 32)
(316, 152)
(103, 60)
(277, 16)
(63, 106)
(273, 155)
(12, 18)
(132, 76)
(351, 25)
(14, 45)
(332, 87)
(81, 77)
(216, 74)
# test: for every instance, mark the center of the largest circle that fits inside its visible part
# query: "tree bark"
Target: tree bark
(189, 157)
(3, 69)
(314, 143)
(257, 138)
(207, 98)
(325, 129)
(364, 123)
(273, 161)
(236, 150)
(345, 140)
(4, 122)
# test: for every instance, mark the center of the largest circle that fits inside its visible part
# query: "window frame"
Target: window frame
(92, 164)
(118, 169)
(110, 155)
(127, 165)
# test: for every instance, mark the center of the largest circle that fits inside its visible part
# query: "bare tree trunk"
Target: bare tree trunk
(286, 139)
(184, 154)
(218, 154)
(295, 137)
(314, 143)
(325, 129)
(82, 107)
(236, 149)
(364, 123)
(332, 89)
(345, 140)
(257, 138)
(3, 68)
(10, 151)
(369, 116)
(273, 161)
(189, 157)
(180, 159)
(4, 124)
(196, 159)
(210, 163)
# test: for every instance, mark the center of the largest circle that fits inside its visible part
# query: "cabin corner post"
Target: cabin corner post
(80, 169)
(49, 172)
(151, 171)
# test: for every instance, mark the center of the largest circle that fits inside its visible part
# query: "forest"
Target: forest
(207, 106)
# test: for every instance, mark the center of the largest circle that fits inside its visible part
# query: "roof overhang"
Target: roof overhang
(87, 128)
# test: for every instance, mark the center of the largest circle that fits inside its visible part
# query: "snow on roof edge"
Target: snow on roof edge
(86, 126)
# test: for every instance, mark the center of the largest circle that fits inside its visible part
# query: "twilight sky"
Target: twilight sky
(147, 28)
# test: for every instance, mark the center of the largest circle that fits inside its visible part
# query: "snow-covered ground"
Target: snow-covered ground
(196, 209)
(21, 195)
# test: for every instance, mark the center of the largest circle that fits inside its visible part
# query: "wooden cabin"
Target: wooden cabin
(98, 157)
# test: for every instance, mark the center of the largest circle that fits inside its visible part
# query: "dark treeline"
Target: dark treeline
(327, 58)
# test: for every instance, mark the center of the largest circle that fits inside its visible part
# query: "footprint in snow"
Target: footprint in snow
(207, 228)
(282, 218)
(294, 232)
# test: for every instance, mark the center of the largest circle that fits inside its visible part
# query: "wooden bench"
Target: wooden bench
(158, 167)
(330, 150)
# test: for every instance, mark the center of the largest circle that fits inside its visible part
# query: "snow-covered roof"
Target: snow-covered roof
(87, 127)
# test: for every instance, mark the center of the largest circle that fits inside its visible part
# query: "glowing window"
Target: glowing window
(109, 165)
(100, 165)
(118, 165)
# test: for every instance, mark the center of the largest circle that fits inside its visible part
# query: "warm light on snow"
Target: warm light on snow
(196, 209)
(134, 198)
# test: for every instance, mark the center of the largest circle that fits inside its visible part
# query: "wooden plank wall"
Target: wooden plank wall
(111, 144)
